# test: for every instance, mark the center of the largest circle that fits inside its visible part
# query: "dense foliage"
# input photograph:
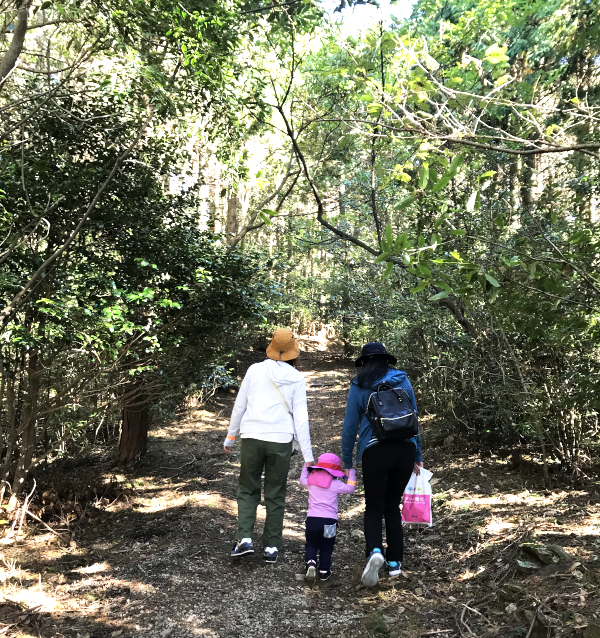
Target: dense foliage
(175, 176)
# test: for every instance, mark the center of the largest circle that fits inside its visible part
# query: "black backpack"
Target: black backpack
(391, 414)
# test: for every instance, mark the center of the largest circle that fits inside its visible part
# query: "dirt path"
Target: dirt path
(151, 552)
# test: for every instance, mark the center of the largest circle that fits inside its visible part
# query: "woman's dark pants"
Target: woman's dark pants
(386, 470)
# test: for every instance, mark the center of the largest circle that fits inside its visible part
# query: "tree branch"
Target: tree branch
(9, 61)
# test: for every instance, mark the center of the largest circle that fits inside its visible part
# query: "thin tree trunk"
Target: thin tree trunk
(134, 432)
(28, 433)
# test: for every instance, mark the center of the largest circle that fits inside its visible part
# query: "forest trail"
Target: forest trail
(151, 556)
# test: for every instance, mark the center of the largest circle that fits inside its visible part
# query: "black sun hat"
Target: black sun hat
(374, 349)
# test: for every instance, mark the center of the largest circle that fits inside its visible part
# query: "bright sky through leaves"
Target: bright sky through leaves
(357, 19)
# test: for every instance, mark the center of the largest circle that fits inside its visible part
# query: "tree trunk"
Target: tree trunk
(134, 431)
(28, 433)
(233, 225)
(8, 62)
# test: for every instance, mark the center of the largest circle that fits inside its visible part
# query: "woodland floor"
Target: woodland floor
(147, 553)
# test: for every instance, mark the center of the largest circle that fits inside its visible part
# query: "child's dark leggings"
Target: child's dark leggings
(320, 537)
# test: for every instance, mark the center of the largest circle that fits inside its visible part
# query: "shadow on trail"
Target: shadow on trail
(150, 556)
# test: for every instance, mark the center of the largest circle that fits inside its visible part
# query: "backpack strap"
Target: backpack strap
(284, 403)
(278, 391)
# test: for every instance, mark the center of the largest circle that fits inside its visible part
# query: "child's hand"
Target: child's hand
(417, 468)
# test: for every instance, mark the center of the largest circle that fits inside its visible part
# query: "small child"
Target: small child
(322, 516)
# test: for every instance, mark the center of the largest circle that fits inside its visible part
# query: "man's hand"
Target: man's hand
(347, 473)
(417, 468)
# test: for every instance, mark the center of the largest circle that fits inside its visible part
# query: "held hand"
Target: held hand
(227, 450)
(417, 468)
(347, 473)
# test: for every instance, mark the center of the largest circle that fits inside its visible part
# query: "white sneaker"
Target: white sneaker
(370, 576)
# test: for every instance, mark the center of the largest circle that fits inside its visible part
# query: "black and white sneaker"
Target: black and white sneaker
(243, 547)
(394, 568)
(324, 574)
(271, 554)
(311, 570)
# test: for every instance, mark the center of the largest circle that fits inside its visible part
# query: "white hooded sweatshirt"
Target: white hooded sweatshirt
(258, 412)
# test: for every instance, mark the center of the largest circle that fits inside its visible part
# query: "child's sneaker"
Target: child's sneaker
(370, 576)
(394, 568)
(271, 554)
(311, 570)
(324, 574)
(243, 547)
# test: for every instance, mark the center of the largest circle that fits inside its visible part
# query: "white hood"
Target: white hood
(283, 373)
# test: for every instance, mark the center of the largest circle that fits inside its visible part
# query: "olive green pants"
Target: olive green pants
(274, 459)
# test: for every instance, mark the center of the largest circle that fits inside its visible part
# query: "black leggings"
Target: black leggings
(386, 470)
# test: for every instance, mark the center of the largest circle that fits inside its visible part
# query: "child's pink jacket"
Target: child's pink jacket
(323, 502)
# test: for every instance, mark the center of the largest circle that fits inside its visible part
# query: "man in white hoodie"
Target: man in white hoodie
(270, 413)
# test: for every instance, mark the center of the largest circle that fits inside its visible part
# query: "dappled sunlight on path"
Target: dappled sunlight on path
(154, 559)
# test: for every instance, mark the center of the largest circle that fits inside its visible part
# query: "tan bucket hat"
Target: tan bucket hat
(283, 347)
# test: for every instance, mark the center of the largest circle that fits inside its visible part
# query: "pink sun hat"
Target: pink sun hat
(330, 463)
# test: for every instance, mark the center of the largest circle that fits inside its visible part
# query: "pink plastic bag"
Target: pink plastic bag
(416, 505)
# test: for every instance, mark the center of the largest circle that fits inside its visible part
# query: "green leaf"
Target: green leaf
(456, 163)
(551, 286)
(423, 176)
(439, 222)
(503, 79)
(456, 255)
(388, 270)
(492, 280)
(439, 295)
(265, 218)
(404, 203)
(423, 270)
(383, 257)
(532, 267)
(458, 231)
(495, 54)
(269, 212)
(421, 241)
(420, 287)
(450, 173)
(401, 242)
(579, 237)
(443, 285)
(486, 174)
